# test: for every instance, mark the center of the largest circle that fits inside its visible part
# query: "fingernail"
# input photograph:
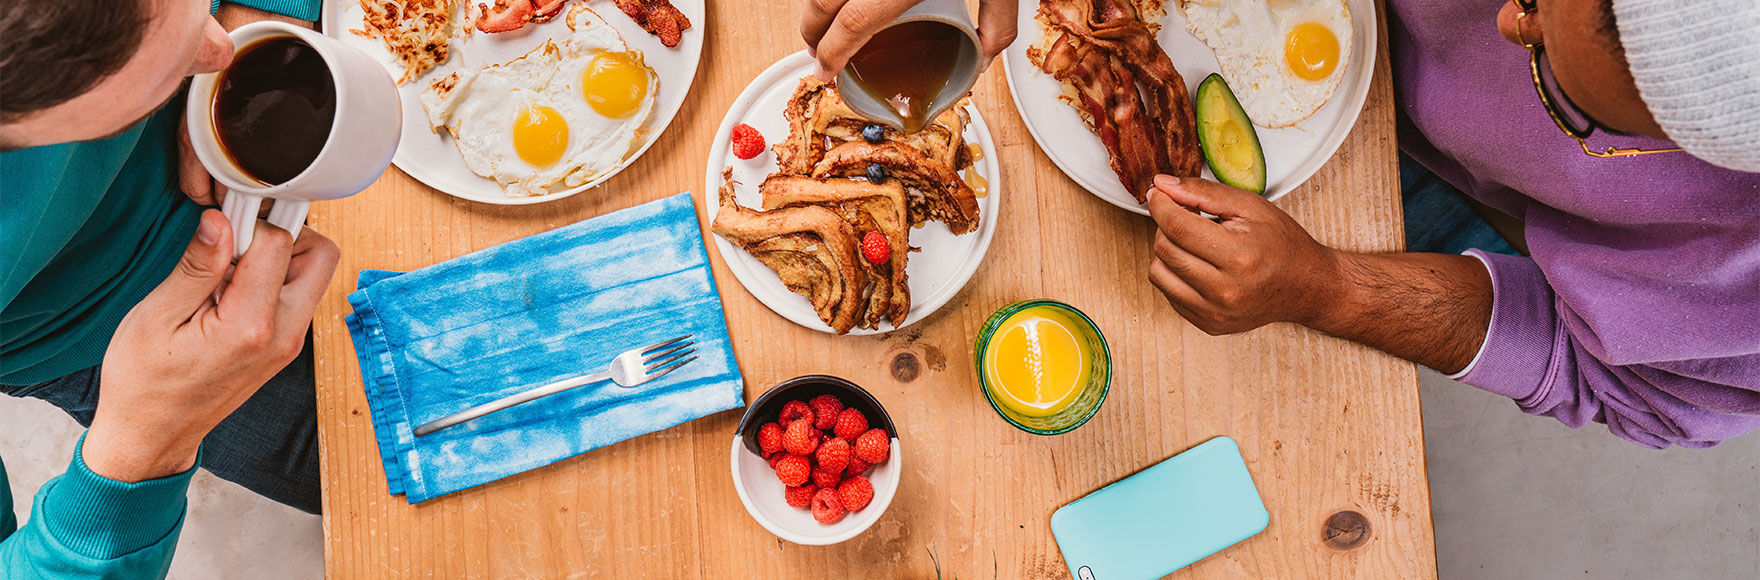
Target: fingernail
(825, 74)
(1166, 180)
(209, 232)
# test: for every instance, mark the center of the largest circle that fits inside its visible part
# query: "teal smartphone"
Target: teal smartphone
(1162, 518)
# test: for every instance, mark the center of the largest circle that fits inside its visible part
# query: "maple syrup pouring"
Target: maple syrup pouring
(907, 66)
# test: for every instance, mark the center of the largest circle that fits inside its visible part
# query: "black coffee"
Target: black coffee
(274, 107)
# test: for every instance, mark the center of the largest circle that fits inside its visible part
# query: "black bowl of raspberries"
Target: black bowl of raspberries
(816, 460)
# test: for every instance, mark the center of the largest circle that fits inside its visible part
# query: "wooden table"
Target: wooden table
(1329, 429)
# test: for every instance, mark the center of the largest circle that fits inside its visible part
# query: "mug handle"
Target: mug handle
(241, 210)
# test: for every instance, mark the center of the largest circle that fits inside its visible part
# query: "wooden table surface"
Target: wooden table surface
(1328, 428)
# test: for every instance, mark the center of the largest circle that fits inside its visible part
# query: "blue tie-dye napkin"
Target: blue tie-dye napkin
(530, 312)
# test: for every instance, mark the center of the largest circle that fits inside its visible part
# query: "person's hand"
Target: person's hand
(192, 178)
(189, 354)
(836, 29)
(1252, 266)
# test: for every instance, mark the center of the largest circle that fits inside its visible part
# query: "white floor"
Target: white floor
(1515, 497)
(228, 533)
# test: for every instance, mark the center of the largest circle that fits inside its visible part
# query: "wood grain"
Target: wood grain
(1326, 426)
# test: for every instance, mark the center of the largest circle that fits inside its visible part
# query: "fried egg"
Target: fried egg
(1282, 58)
(567, 112)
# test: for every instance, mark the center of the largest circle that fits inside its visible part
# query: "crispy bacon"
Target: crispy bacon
(544, 10)
(1126, 84)
(658, 17)
(505, 15)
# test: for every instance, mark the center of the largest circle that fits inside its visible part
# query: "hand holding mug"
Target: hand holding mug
(183, 359)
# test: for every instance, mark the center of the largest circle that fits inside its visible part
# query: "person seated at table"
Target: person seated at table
(1635, 300)
(117, 302)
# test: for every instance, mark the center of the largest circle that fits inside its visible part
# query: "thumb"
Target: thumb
(198, 273)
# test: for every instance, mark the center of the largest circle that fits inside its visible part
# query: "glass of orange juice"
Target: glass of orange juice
(1044, 366)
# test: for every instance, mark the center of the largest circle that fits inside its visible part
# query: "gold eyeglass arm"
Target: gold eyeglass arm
(1617, 152)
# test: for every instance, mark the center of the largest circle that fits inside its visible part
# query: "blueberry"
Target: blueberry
(876, 173)
(874, 134)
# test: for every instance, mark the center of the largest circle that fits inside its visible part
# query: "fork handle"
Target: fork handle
(508, 401)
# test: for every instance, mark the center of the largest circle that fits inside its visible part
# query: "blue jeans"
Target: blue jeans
(1438, 218)
(269, 445)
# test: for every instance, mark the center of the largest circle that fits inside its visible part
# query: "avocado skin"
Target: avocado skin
(1215, 106)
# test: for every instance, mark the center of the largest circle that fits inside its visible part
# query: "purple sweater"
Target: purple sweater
(1640, 307)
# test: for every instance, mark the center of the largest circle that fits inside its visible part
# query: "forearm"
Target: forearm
(1432, 309)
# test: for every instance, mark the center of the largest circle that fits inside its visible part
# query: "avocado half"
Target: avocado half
(1231, 147)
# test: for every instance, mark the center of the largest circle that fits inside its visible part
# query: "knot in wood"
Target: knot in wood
(906, 367)
(1345, 530)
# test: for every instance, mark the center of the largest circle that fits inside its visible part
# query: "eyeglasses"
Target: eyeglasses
(1570, 119)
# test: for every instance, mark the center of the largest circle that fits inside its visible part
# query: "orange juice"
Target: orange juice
(1037, 361)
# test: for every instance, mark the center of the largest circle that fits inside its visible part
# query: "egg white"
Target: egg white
(1248, 38)
(479, 109)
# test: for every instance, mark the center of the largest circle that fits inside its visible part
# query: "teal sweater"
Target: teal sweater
(86, 230)
(87, 526)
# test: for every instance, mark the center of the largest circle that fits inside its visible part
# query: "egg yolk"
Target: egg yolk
(1312, 50)
(540, 135)
(615, 84)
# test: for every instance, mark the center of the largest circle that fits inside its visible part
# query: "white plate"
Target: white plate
(1292, 154)
(936, 274)
(432, 159)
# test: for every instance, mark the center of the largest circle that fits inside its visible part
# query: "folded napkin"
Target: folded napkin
(527, 313)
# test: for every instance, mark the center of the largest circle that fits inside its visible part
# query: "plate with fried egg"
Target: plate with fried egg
(558, 104)
(1300, 68)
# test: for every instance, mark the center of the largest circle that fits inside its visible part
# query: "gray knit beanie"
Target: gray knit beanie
(1697, 65)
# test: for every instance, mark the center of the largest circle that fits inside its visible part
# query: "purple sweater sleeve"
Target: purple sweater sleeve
(1535, 352)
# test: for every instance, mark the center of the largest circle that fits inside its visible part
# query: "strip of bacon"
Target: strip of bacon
(658, 17)
(505, 15)
(1106, 51)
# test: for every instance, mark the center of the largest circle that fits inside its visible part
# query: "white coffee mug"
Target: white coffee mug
(363, 136)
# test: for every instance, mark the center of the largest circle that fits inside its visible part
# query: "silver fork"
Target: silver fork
(634, 367)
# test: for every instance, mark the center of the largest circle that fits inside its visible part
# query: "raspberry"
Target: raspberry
(875, 248)
(801, 438)
(747, 142)
(794, 470)
(833, 454)
(857, 467)
(827, 506)
(775, 458)
(856, 492)
(850, 425)
(873, 446)
(793, 411)
(827, 478)
(825, 409)
(770, 438)
(800, 497)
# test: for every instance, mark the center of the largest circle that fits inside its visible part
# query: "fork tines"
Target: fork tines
(659, 364)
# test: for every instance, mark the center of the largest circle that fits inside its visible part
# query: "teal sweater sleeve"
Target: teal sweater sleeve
(301, 9)
(84, 525)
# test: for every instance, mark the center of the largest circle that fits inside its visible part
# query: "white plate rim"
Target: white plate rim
(657, 124)
(1363, 56)
(742, 264)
